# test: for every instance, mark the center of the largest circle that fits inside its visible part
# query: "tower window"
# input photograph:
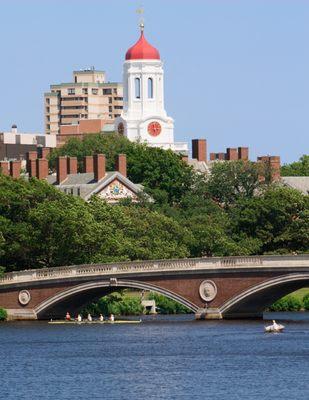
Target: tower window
(150, 88)
(137, 88)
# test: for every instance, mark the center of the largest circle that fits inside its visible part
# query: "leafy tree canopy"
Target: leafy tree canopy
(297, 168)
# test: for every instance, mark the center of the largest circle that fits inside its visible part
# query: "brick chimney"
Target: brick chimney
(99, 168)
(274, 163)
(43, 152)
(15, 169)
(4, 166)
(243, 153)
(199, 149)
(263, 163)
(88, 164)
(41, 168)
(61, 169)
(231, 154)
(30, 155)
(72, 165)
(121, 164)
(221, 156)
(32, 167)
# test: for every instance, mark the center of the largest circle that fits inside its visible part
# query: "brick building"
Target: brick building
(89, 96)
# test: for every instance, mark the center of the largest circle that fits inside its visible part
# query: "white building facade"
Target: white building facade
(144, 118)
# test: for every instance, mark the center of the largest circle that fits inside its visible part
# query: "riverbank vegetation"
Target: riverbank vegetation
(116, 303)
(296, 301)
(230, 213)
(127, 302)
(3, 314)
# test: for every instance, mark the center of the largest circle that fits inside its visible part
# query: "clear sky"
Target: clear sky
(236, 71)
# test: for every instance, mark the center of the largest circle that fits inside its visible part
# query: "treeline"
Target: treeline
(231, 213)
(126, 303)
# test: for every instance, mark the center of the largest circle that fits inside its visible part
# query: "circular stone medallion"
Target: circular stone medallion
(208, 290)
(24, 297)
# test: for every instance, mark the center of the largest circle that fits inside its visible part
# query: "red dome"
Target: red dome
(142, 50)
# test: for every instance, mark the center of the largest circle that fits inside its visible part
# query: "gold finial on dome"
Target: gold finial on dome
(140, 11)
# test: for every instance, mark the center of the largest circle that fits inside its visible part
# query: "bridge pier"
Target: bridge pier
(209, 313)
(15, 314)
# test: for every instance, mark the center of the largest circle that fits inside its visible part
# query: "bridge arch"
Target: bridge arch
(253, 301)
(57, 305)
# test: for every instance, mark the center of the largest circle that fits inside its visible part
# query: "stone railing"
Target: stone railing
(156, 266)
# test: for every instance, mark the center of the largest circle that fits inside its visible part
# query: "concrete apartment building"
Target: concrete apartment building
(89, 96)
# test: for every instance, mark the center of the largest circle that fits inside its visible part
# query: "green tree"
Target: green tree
(234, 180)
(117, 303)
(306, 302)
(277, 219)
(297, 168)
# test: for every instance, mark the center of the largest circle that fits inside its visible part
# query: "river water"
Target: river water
(165, 357)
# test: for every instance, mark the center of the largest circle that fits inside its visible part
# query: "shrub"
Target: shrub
(306, 302)
(287, 303)
(3, 314)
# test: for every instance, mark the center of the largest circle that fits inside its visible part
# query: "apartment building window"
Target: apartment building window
(73, 107)
(47, 101)
(85, 91)
(118, 98)
(47, 109)
(110, 116)
(48, 118)
(94, 91)
(118, 107)
(71, 116)
(137, 82)
(110, 100)
(116, 115)
(71, 91)
(150, 88)
(48, 127)
(110, 108)
(107, 91)
(115, 90)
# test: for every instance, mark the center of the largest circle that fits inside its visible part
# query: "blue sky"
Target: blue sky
(236, 71)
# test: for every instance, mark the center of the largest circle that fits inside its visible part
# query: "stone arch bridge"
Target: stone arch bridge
(213, 288)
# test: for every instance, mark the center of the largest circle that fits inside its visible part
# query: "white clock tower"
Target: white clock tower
(144, 118)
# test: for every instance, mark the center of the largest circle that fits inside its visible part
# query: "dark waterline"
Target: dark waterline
(165, 357)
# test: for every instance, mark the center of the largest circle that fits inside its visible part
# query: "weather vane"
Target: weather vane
(140, 11)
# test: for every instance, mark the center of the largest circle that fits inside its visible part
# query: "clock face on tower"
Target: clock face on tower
(154, 128)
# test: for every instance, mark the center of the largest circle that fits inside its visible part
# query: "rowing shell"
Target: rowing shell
(93, 322)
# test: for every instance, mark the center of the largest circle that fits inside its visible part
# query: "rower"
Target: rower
(68, 316)
(89, 317)
(275, 325)
(101, 318)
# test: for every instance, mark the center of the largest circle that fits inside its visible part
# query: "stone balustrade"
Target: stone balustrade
(209, 263)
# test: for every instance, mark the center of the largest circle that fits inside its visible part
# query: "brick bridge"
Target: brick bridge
(232, 287)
